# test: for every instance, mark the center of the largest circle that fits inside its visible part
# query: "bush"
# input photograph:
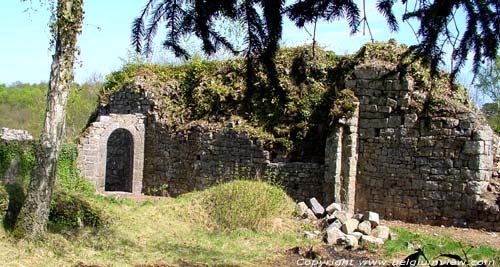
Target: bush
(246, 204)
(72, 210)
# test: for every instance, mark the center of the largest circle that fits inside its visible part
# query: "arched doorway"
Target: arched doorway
(119, 161)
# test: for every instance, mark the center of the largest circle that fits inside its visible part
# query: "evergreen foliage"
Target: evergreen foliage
(263, 21)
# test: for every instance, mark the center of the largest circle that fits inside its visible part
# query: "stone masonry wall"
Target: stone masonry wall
(197, 156)
(391, 157)
(419, 168)
(200, 156)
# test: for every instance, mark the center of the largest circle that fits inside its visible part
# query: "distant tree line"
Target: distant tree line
(22, 106)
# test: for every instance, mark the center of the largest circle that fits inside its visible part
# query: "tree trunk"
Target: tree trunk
(33, 217)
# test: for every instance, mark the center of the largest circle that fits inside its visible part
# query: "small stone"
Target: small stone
(341, 216)
(309, 235)
(393, 236)
(372, 217)
(367, 239)
(365, 227)
(337, 224)
(349, 226)
(310, 215)
(358, 235)
(351, 242)
(358, 216)
(382, 232)
(334, 236)
(333, 207)
(314, 205)
(301, 209)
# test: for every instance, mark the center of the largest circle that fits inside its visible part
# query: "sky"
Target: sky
(105, 40)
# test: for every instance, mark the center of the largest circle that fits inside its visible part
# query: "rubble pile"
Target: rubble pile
(339, 227)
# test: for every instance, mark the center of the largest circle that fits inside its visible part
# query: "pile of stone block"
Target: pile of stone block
(339, 227)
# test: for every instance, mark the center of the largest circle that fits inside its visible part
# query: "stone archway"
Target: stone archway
(119, 161)
(125, 131)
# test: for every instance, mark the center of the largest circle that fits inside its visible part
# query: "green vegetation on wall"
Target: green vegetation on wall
(316, 95)
(72, 205)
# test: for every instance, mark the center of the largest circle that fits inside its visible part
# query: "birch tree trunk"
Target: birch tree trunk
(32, 220)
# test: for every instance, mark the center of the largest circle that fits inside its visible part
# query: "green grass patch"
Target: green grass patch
(434, 246)
(168, 231)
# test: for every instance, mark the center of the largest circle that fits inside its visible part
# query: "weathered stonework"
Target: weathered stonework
(422, 167)
(14, 135)
(390, 157)
(93, 149)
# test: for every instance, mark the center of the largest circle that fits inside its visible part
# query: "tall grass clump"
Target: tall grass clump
(244, 204)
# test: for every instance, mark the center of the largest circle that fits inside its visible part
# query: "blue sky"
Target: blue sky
(105, 41)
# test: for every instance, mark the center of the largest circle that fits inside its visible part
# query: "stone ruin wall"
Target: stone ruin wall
(417, 168)
(201, 156)
(387, 158)
(192, 158)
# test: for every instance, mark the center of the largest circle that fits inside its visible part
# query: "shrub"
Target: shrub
(246, 204)
(72, 210)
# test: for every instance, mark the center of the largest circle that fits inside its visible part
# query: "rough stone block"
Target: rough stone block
(381, 232)
(341, 216)
(372, 240)
(311, 215)
(335, 224)
(350, 226)
(333, 207)
(301, 209)
(365, 227)
(358, 235)
(317, 208)
(334, 236)
(351, 241)
(372, 217)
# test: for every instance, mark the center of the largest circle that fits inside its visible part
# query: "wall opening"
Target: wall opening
(119, 161)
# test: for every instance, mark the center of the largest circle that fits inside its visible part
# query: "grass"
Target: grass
(434, 246)
(167, 231)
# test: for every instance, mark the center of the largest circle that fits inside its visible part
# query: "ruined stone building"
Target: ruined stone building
(430, 162)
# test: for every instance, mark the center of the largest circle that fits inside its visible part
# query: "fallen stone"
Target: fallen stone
(393, 236)
(382, 232)
(301, 209)
(309, 235)
(314, 205)
(350, 226)
(358, 235)
(365, 227)
(334, 236)
(333, 207)
(371, 217)
(341, 216)
(310, 215)
(358, 216)
(336, 224)
(367, 239)
(351, 242)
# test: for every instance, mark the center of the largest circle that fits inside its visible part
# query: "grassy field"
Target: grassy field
(185, 231)
(176, 231)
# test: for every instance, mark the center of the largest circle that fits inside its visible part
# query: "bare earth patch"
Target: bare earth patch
(471, 236)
